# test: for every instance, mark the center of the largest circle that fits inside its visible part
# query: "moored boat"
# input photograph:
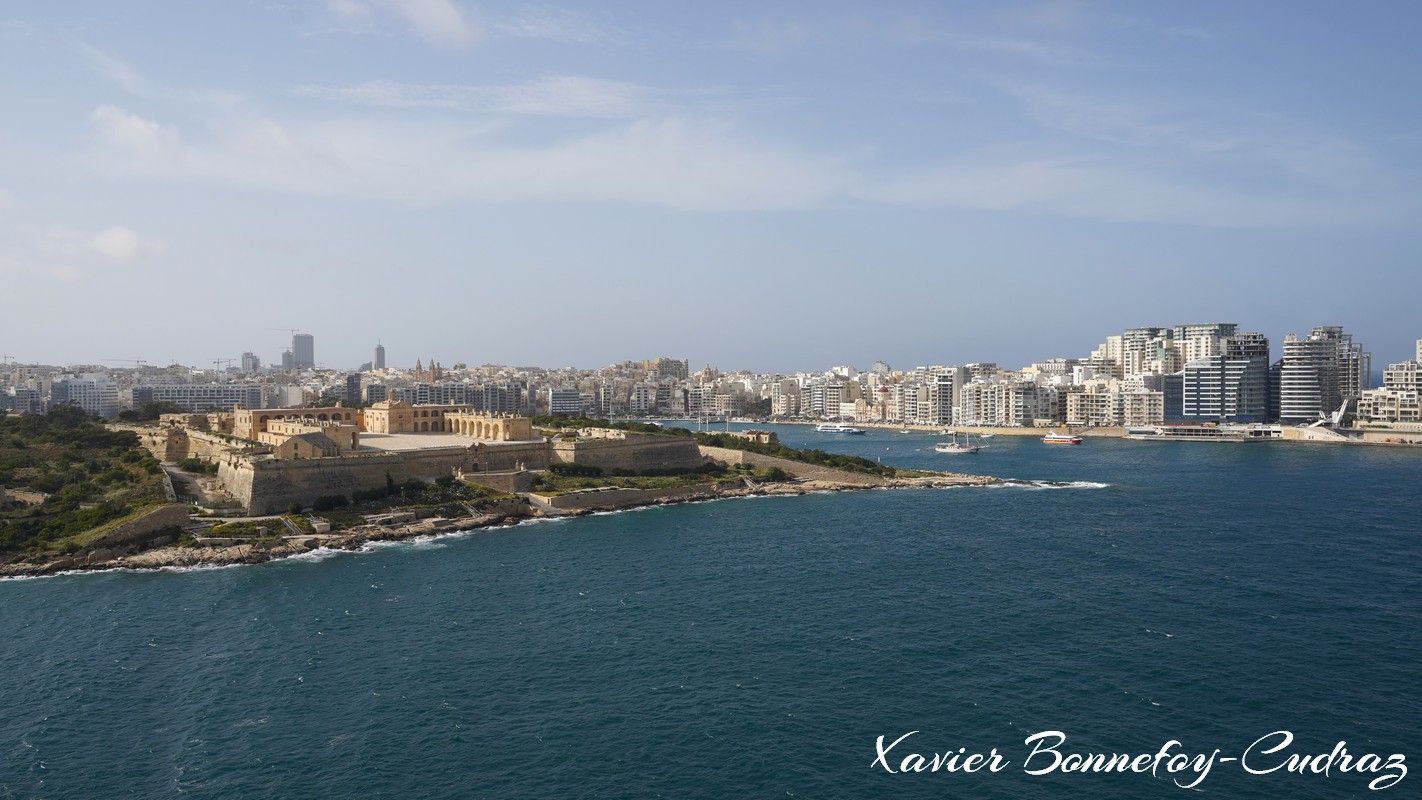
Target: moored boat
(961, 443)
(836, 427)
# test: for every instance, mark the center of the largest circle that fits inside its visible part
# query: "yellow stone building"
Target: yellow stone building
(398, 416)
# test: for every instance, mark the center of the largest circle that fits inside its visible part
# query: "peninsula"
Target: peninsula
(253, 486)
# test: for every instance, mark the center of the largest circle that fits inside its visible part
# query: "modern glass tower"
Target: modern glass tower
(1229, 386)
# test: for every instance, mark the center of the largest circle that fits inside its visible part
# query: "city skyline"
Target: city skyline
(747, 187)
(1275, 350)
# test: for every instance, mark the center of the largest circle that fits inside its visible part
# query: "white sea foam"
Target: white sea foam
(1014, 484)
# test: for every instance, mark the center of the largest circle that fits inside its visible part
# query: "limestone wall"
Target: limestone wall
(1392, 437)
(1294, 434)
(176, 444)
(143, 528)
(511, 482)
(269, 486)
(636, 452)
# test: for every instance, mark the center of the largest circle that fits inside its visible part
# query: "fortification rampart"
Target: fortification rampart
(633, 452)
(144, 528)
(269, 486)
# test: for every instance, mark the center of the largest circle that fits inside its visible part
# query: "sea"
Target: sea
(1230, 620)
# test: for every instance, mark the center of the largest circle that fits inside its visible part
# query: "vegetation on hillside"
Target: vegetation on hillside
(149, 412)
(92, 475)
(562, 478)
(563, 421)
(816, 457)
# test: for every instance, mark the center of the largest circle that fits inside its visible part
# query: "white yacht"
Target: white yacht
(961, 443)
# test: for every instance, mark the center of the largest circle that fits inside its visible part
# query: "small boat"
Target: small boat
(836, 427)
(1062, 438)
(959, 444)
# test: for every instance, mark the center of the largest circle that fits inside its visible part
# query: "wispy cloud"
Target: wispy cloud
(64, 253)
(559, 95)
(1141, 187)
(439, 22)
(769, 36)
(1049, 53)
(671, 162)
(135, 82)
(556, 24)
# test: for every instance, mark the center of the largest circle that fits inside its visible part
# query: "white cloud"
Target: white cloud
(688, 163)
(556, 24)
(439, 22)
(1123, 189)
(122, 244)
(672, 162)
(134, 134)
(558, 95)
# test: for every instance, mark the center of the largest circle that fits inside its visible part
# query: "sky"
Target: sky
(768, 186)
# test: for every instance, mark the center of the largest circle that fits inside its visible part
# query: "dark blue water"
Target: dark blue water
(1209, 594)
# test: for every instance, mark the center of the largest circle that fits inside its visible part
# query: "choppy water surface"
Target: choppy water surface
(1209, 593)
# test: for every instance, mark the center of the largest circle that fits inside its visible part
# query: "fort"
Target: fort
(276, 457)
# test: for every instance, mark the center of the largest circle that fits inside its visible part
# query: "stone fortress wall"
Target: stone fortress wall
(613, 449)
(265, 484)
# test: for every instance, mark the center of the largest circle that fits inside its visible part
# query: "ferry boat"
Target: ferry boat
(1205, 433)
(836, 427)
(1062, 438)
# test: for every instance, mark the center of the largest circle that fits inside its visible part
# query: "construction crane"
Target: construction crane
(218, 362)
(136, 362)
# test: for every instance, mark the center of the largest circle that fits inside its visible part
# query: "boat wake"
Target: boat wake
(1015, 484)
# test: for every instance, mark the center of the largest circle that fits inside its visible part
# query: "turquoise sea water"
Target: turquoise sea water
(1207, 593)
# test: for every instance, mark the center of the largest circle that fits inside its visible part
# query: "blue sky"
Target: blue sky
(770, 186)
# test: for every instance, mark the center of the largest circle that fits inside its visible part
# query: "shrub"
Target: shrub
(328, 502)
(580, 470)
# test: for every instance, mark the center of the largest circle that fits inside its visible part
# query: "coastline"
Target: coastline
(170, 556)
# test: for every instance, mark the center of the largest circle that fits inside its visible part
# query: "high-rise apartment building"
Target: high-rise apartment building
(1231, 385)
(96, 394)
(199, 397)
(1202, 340)
(303, 351)
(379, 362)
(564, 401)
(1319, 373)
(250, 363)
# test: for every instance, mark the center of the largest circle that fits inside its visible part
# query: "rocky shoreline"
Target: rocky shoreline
(355, 538)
